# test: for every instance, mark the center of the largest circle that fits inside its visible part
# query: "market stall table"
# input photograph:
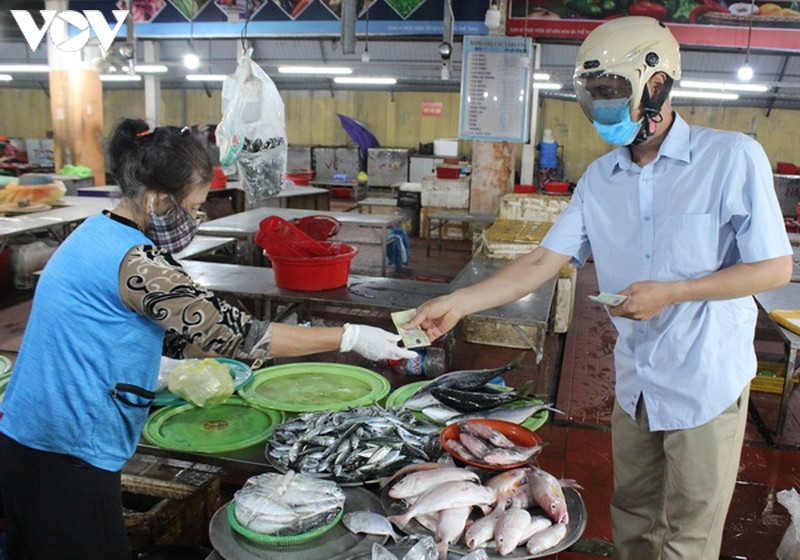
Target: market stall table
(245, 225)
(57, 221)
(785, 297)
(439, 220)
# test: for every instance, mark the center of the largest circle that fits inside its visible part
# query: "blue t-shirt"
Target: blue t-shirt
(706, 202)
(80, 343)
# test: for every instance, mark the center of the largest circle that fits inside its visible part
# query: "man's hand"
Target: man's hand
(436, 317)
(645, 300)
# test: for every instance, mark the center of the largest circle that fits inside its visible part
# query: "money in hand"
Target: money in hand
(604, 298)
(412, 338)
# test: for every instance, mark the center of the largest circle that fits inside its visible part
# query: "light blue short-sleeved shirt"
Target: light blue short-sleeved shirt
(706, 202)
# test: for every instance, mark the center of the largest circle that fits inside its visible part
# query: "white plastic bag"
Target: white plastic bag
(789, 549)
(252, 134)
(205, 383)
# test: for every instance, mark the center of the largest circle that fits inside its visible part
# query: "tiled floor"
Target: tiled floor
(578, 371)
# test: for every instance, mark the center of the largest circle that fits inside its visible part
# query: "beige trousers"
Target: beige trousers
(672, 489)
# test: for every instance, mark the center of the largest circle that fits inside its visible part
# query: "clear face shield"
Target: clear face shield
(605, 99)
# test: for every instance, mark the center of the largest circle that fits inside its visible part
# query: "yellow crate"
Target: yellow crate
(769, 378)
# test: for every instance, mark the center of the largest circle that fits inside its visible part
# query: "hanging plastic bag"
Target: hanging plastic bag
(789, 549)
(252, 134)
(205, 383)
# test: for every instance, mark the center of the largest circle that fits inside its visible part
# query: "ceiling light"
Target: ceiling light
(547, 85)
(745, 72)
(335, 70)
(24, 68)
(365, 81)
(544, 76)
(445, 50)
(5, 78)
(191, 61)
(206, 77)
(120, 78)
(151, 68)
(677, 92)
(731, 86)
(492, 18)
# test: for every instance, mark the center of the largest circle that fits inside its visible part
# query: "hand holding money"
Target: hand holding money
(412, 338)
(611, 300)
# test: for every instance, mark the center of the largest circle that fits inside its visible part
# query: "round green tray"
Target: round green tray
(4, 379)
(240, 372)
(280, 540)
(400, 395)
(233, 425)
(5, 365)
(315, 386)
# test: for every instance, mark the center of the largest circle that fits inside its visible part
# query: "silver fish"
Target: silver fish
(449, 527)
(480, 532)
(416, 483)
(509, 529)
(448, 495)
(370, 523)
(495, 437)
(546, 538)
(510, 456)
(475, 445)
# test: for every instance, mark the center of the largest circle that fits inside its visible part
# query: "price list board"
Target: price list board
(495, 89)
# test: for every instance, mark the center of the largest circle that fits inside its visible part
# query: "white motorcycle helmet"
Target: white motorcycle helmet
(617, 59)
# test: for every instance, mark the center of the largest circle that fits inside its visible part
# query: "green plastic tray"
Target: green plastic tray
(233, 425)
(280, 540)
(397, 397)
(5, 365)
(315, 386)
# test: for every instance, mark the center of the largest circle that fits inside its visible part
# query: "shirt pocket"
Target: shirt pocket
(686, 246)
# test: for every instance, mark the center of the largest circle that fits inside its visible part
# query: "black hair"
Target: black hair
(165, 159)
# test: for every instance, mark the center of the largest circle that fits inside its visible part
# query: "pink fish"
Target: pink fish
(449, 527)
(451, 494)
(546, 538)
(511, 455)
(482, 530)
(510, 527)
(415, 483)
(507, 481)
(495, 437)
(546, 490)
(475, 445)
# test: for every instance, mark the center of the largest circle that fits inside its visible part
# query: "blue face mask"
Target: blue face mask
(612, 120)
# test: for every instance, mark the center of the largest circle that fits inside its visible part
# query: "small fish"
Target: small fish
(512, 456)
(510, 527)
(538, 523)
(480, 532)
(495, 437)
(369, 523)
(546, 538)
(475, 445)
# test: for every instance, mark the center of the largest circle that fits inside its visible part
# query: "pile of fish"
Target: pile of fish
(522, 507)
(482, 444)
(354, 445)
(287, 504)
(465, 394)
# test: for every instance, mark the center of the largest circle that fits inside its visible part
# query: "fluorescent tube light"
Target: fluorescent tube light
(150, 68)
(120, 78)
(724, 86)
(678, 92)
(333, 70)
(365, 81)
(5, 78)
(543, 76)
(206, 77)
(547, 85)
(24, 68)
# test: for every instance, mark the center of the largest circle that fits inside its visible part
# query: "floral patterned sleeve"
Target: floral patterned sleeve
(153, 283)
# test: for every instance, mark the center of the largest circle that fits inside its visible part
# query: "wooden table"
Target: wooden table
(245, 225)
(785, 297)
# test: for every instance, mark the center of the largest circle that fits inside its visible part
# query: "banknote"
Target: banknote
(412, 338)
(604, 298)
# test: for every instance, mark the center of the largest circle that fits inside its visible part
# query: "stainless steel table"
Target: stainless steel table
(439, 220)
(58, 221)
(244, 225)
(785, 297)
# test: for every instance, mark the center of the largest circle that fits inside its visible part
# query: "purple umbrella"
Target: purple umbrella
(359, 134)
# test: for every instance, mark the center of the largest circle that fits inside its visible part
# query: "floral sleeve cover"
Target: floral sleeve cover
(153, 283)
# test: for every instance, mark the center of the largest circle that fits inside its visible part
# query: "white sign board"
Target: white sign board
(496, 88)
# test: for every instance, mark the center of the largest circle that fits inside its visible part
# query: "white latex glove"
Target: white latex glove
(373, 343)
